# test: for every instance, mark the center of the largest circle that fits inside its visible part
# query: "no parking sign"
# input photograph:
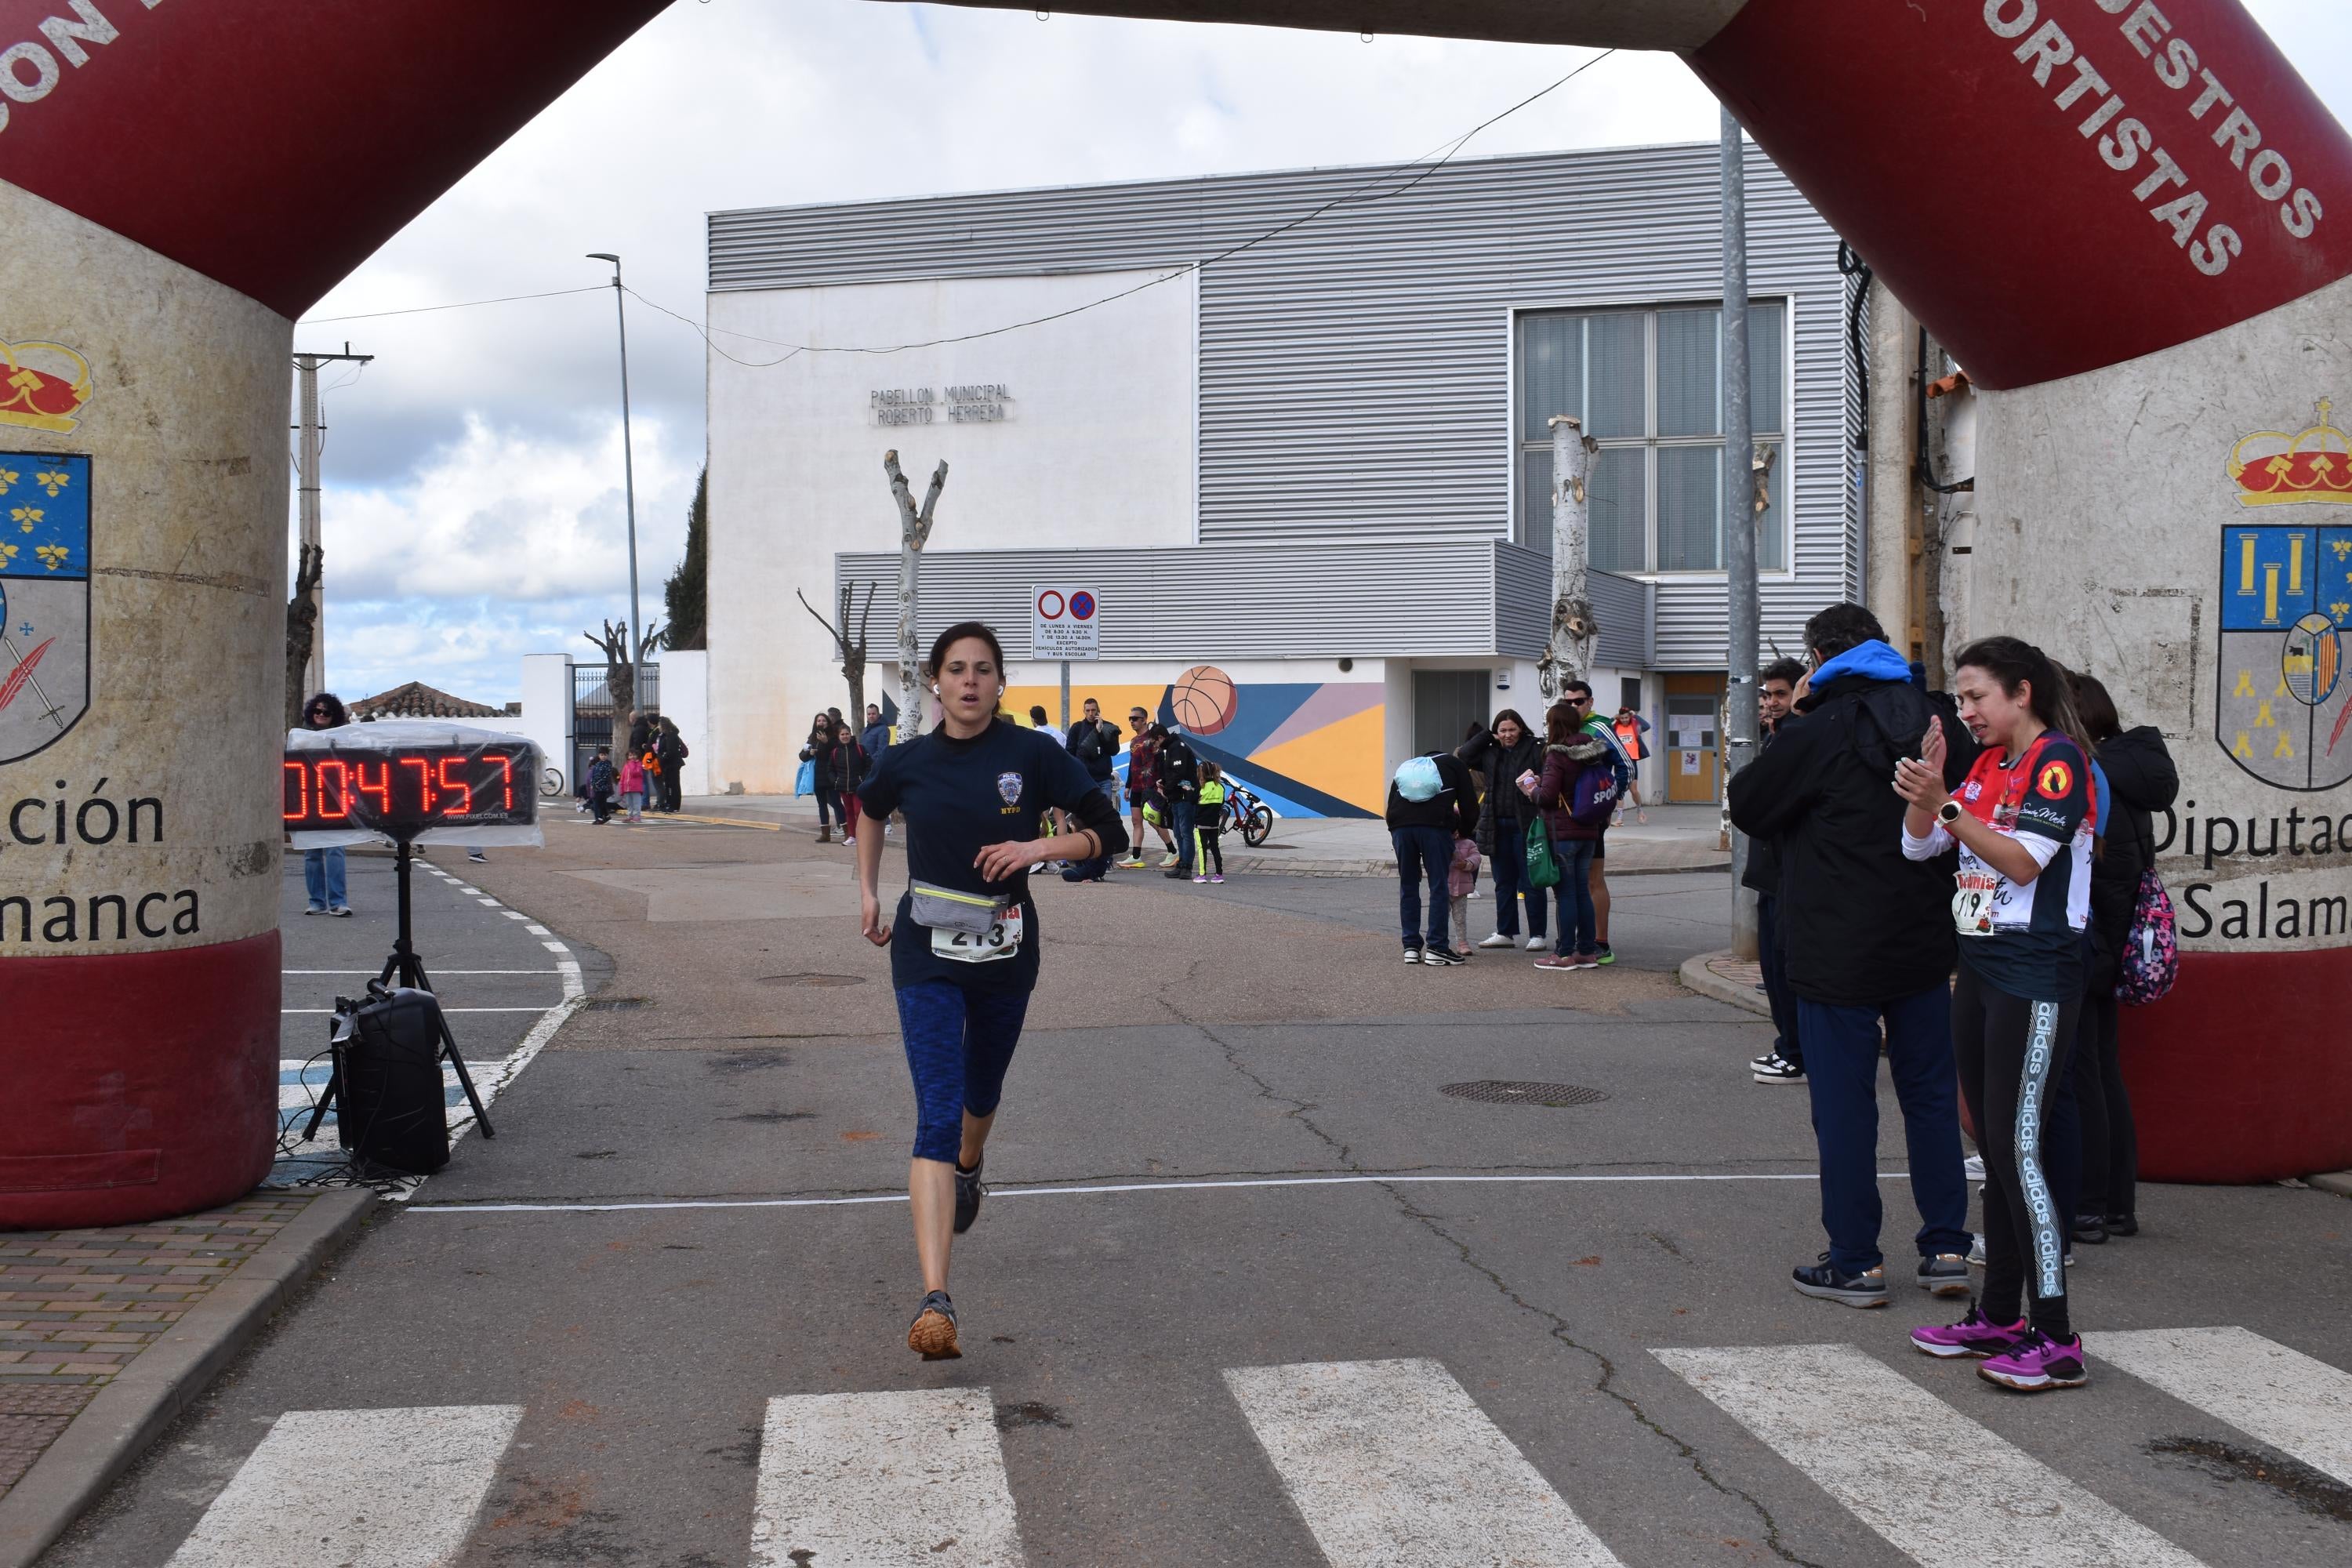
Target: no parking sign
(1065, 623)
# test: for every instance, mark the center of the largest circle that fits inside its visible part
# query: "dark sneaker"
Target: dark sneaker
(969, 1192)
(1776, 1069)
(1825, 1280)
(1178, 873)
(1440, 955)
(932, 1334)
(2091, 1229)
(1946, 1274)
(1602, 954)
(1973, 1335)
(2122, 1225)
(2037, 1362)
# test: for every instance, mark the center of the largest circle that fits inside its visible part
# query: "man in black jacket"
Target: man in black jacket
(1095, 743)
(1425, 816)
(1870, 940)
(1775, 688)
(1179, 781)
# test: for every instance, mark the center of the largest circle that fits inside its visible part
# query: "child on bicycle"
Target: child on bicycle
(1209, 834)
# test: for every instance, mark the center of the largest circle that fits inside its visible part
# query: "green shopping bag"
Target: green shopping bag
(1543, 871)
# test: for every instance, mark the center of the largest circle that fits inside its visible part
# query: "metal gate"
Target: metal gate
(594, 721)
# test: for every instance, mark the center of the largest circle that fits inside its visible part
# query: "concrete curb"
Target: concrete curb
(130, 1413)
(1696, 976)
(2336, 1182)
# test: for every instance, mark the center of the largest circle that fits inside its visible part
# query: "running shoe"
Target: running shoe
(1167, 859)
(341, 911)
(1825, 1280)
(1776, 1068)
(2123, 1225)
(1440, 956)
(1499, 940)
(1535, 942)
(1411, 954)
(2037, 1362)
(932, 1334)
(1132, 863)
(2091, 1229)
(1176, 874)
(1555, 960)
(968, 1191)
(1771, 1056)
(1973, 1335)
(1973, 1167)
(479, 859)
(316, 910)
(1202, 880)
(1218, 878)
(1977, 1253)
(1591, 961)
(1603, 955)
(1946, 1274)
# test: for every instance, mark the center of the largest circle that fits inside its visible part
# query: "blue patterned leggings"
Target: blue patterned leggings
(958, 1043)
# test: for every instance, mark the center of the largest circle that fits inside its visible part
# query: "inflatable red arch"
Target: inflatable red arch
(2131, 219)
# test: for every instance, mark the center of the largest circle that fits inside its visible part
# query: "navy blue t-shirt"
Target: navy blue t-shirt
(960, 797)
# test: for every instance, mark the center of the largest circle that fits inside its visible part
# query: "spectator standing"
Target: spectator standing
(602, 780)
(325, 877)
(633, 788)
(1179, 781)
(1037, 719)
(1432, 803)
(1508, 755)
(2141, 781)
(875, 739)
(641, 731)
(1570, 751)
(1870, 941)
(853, 763)
(1461, 882)
(1208, 837)
(823, 753)
(669, 749)
(1785, 1062)
(1578, 694)
(1094, 741)
(1142, 786)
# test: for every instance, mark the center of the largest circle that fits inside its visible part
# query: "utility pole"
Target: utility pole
(629, 483)
(314, 668)
(1568, 652)
(1739, 718)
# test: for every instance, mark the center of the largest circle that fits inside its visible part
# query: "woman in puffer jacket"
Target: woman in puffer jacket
(2141, 781)
(1504, 753)
(1568, 750)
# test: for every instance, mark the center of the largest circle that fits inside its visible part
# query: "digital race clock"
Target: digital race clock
(403, 790)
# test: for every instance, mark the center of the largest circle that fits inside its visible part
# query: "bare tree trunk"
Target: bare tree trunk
(301, 624)
(914, 532)
(850, 650)
(1569, 654)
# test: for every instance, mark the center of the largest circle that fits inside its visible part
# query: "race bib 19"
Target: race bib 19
(1972, 905)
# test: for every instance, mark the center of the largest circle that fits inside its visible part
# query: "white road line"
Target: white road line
(884, 1480)
(1942, 1488)
(469, 892)
(536, 930)
(488, 903)
(1390, 1461)
(1109, 1188)
(391, 1489)
(554, 947)
(516, 915)
(2278, 1395)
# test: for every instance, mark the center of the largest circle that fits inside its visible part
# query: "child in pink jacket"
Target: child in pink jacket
(633, 788)
(1460, 880)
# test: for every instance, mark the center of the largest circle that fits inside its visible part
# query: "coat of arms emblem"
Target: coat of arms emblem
(2284, 706)
(45, 524)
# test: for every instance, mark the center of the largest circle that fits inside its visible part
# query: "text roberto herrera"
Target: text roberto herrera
(2232, 911)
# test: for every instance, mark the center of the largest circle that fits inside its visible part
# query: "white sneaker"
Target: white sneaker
(1973, 1166)
(1499, 940)
(1535, 943)
(1167, 859)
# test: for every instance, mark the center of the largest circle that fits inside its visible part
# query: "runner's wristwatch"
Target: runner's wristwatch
(1948, 812)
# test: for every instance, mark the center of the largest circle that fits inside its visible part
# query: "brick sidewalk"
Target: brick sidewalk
(76, 1307)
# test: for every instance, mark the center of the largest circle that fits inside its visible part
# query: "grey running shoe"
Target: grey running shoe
(932, 1334)
(969, 1192)
(1825, 1280)
(1946, 1274)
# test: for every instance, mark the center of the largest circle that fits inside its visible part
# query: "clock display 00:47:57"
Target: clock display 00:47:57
(407, 789)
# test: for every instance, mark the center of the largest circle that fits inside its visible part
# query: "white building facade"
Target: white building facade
(1304, 469)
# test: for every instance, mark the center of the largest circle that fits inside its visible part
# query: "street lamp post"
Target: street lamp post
(629, 481)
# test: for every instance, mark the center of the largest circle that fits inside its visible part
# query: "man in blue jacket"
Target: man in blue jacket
(1870, 940)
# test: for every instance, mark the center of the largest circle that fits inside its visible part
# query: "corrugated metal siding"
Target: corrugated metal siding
(1355, 369)
(1212, 601)
(1523, 609)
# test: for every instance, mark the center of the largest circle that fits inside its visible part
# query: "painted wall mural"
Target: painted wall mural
(1307, 748)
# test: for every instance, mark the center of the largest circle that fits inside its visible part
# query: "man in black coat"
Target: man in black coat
(1870, 940)
(1776, 690)
(1423, 821)
(1094, 741)
(1179, 781)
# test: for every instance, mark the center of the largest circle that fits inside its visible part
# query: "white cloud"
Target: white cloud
(473, 470)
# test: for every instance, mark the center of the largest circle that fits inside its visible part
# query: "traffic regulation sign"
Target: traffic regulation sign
(1065, 623)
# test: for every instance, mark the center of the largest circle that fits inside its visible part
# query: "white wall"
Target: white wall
(686, 702)
(1098, 447)
(547, 710)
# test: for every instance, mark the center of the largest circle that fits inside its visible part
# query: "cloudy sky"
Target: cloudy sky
(473, 505)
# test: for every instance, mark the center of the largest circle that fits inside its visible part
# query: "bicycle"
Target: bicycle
(1245, 814)
(550, 782)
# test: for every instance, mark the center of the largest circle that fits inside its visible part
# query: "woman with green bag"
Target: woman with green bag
(1510, 829)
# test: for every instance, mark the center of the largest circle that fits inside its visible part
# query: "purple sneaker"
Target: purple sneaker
(2039, 1362)
(1973, 1335)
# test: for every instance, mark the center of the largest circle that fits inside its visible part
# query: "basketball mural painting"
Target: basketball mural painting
(1307, 748)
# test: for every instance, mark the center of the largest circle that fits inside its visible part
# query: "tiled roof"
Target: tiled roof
(417, 700)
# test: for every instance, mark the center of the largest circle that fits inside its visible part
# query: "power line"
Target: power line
(460, 305)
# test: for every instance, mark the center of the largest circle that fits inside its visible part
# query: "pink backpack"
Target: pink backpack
(2150, 959)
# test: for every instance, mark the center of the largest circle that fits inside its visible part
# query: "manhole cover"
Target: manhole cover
(812, 980)
(1495, 1091)
(619, 1004)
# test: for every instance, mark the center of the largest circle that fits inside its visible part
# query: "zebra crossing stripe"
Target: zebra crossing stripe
(391, 1489)
(1391, 1461)
(884, 1480)
(1939, 1487)
(2276, 1395)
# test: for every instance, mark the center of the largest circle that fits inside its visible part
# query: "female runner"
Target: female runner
(963, 944)
(2023, 826)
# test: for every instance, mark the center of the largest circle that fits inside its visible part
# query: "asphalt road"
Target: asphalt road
(1251, 1289)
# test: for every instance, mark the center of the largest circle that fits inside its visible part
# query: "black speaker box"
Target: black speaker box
(394, 1112)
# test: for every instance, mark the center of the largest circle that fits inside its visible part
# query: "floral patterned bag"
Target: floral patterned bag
(2150, 959)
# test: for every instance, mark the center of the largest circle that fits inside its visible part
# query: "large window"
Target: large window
(1649, 386)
